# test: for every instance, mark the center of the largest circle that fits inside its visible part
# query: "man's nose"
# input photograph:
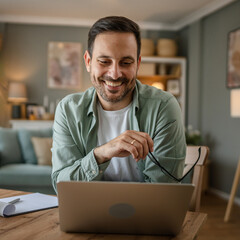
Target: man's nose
(115, 71)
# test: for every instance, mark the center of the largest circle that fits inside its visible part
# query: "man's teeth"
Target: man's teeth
(113, 84)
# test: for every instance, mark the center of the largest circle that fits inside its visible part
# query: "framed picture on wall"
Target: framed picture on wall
(64, 65)
(233, 67)
(35, 110)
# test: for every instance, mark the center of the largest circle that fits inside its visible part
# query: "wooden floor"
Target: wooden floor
(215, 228)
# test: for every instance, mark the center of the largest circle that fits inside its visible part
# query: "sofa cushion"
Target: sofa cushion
(42, 148)
(10, 150)
(25, 175)
(25, 136)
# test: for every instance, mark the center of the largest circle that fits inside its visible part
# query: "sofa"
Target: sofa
(25, 160)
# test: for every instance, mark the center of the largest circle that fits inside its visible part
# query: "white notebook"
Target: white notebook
(27, 203)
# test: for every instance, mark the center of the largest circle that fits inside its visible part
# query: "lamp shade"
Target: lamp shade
(235, 103)
(17, 92)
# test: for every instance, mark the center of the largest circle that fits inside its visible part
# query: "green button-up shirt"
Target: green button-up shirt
(75, 135)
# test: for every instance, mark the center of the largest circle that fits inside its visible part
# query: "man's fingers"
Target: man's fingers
(138, 144)
(149, 140)
(131, 148)
(144, 139)
(139, 148)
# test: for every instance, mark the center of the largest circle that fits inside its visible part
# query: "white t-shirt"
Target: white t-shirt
(111, 125)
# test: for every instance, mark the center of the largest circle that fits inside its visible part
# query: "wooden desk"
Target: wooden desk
(45, 225)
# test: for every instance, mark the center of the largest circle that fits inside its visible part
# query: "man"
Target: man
(107, 132)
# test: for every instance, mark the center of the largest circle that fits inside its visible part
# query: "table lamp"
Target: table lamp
(235, 103)
(17, 94)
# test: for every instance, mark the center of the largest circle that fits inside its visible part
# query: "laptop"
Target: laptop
(123, 207)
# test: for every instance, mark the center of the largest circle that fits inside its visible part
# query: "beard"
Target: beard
(114, 96)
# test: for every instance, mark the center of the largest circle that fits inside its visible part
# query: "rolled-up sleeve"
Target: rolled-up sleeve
(69, 161)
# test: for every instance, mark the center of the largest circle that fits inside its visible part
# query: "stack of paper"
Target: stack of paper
(27, 203)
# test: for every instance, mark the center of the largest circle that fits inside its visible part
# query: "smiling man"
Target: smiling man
(113, 68)
(106, 132)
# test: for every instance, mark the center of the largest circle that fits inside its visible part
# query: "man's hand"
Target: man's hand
(134, 143)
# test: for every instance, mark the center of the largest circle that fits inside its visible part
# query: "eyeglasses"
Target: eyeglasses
(166, 172)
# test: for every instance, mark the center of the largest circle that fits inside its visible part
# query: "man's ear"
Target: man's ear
(139, 62)
(87, 60)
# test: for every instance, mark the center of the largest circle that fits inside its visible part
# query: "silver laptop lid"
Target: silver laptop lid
(120, 207)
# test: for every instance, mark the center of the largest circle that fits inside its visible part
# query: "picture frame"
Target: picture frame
(35, 110)
(29, 107)
(233, 55)
(64, 65)
(173, 86)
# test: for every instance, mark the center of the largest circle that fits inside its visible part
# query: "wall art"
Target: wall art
(233, 68)
(64, 65)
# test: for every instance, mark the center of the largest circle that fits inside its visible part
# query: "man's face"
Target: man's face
(113, 68)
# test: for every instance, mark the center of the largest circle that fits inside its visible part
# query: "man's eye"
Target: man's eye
(126, 63)
(104, 61)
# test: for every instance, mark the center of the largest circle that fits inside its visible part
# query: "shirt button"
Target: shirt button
(101, 171)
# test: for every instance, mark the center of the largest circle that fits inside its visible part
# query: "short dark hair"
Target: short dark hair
(114, 24)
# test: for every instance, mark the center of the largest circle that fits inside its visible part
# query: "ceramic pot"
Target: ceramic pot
(147, 48)
(166, 47)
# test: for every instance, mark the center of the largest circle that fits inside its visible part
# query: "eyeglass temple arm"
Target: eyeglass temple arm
(199, 155)
(154, 160)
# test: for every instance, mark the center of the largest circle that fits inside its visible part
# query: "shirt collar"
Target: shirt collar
(93, 103)
(135, 96)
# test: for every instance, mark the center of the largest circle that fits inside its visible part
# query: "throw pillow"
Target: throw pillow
(25, 136)
(42, 147)
(10, 150)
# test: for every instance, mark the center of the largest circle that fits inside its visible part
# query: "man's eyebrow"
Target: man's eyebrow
(128, 57)
(123, 58)
(103, 56)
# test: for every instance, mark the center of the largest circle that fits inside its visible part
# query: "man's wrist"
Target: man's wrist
(100, 158)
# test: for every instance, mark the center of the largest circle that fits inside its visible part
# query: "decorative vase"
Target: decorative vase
(147, 48)
(48, 116)
(166, 47)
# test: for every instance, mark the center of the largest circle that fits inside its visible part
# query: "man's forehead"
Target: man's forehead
(112, 33)
(110, 42)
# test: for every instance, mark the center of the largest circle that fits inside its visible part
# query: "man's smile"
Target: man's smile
(113, 84)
